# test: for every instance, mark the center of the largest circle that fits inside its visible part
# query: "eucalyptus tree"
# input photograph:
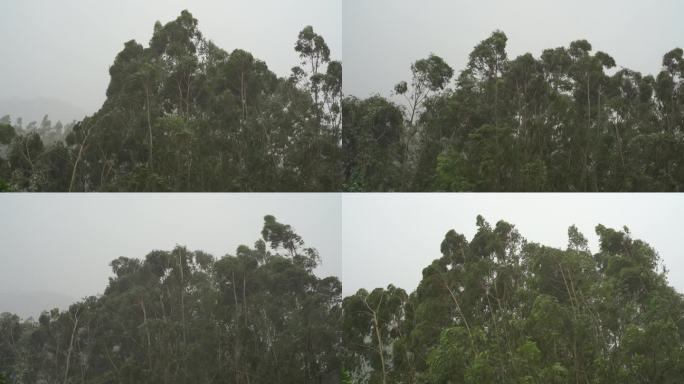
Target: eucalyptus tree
(372, 323)
(499, 309)
(181, 316)
(568, 120)
(182, 114)
(371, 144)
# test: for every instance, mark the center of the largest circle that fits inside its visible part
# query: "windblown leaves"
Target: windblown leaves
(499, 309)
(570, 120)
(183, 316)
(184, 115)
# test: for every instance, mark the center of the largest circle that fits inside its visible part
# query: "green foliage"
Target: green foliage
(184, 115)
(346, 377)
(182, 316)
(560, 122)
(7, 133)
(371, 142)
(498, 309)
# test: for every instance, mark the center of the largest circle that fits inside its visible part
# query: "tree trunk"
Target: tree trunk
(71, 347)
(236, 348)
(149, 124)
(378, 335)
(78, 159)
(147, 331)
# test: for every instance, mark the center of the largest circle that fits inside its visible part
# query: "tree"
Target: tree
(182, 114)
(7, 133)
(314, 54)
(564, 121)
(371, 144)
(428, 76)
(499, 309)
(182, 316)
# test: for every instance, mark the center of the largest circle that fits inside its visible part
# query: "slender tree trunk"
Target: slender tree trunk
(243, 97)
(586, 137)
(180, 97)
(458, 307)
(244, 297)
(183, 325)
(27, 156)
(71, 347)
(149, 124)
(182, 297)
(236, 348)
(575, 309)
(78, 159)
(147, 331)
(187, 95)
(378, 335)
(496, 99)
(619, 143)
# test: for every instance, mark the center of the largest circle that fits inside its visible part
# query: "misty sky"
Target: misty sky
(63, 244)
(381, 38)
(390, 238)
(63, 49)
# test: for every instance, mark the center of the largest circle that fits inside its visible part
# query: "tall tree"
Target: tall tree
(499, 309)
(566, 121)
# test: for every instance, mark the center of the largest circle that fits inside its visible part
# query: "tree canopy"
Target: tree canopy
(570, 120)
(182, 316)
(184, 115)
(500, 309)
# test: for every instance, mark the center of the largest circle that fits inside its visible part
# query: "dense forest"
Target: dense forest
(181, 316)
(184, 115)
(499, 309)
(570, 120)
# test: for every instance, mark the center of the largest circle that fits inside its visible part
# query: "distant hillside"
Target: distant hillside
(26, 304)
(34, 110)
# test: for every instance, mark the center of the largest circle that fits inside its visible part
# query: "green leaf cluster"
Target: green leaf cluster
(500, 309)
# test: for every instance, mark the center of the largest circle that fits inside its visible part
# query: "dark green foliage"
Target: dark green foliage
(566, 121)
(185, 115)
(371, 144)
(7, 133)
(498, 309)
(185, 317)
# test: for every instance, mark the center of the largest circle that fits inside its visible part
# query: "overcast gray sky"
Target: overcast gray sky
(58, 246)
(381, 38)
(390, 238)
(63, 49)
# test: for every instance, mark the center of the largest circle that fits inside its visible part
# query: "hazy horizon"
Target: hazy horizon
(67, 47)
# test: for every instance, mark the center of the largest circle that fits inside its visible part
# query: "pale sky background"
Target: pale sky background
(63, 49)
(381, 38)
(56, 248)
(390, 238)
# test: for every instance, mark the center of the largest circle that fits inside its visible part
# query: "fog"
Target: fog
(381, 38)
(56, 248)
(62, 50)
